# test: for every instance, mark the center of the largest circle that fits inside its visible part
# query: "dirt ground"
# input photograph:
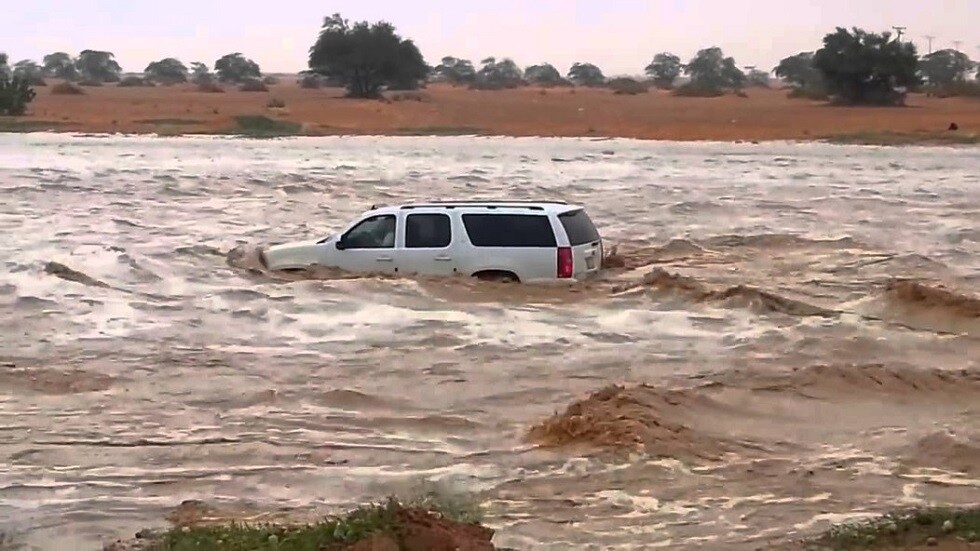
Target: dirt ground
(766, 114)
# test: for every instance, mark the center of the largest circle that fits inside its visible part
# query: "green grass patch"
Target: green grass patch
(912, 527)
(332, 532)
(438, 131)
(260, 126)
(906, 138)
(13, 125)
(172, 122)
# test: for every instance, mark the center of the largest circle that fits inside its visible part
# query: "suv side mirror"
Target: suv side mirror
(341, 244)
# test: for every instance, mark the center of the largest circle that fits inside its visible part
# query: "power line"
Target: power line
(900, 31)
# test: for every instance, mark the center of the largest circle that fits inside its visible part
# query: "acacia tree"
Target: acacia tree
(4, 64)
(664, 69)
(365, 57)
(866, 68)
(168, 71)
(236, 68)
(711, 70)
(60, 65)
(945, 67)
(98, 66)
(456, 71)
(29, 71)
(499, 74)
(586, 74)
(544, 74)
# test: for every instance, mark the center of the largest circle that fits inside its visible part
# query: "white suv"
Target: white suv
(509, 240)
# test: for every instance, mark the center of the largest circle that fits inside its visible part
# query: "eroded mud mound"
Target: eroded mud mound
(920, 295)
(738, 296)
(638, 419)
(64, 272)
(781, 241)
(834, 382)
(633, 258)
(43, 380)
(942, 450)
(407, 529)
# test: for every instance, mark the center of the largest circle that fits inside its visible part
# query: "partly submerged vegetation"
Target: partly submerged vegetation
(432, 517)
(905, 138)
(904, 529)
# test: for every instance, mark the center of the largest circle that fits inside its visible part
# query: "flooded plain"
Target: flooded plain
(789, 336)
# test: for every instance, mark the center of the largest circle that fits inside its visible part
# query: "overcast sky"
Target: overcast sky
(621, 36)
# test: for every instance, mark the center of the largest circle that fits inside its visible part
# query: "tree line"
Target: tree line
(853, 66)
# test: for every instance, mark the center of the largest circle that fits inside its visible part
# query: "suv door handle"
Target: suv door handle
(444, 258)
(385, 259)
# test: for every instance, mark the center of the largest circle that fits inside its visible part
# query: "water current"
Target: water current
(143, 361)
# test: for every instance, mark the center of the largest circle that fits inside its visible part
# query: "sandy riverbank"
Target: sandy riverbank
(766, 114)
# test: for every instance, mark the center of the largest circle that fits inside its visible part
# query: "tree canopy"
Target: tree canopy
(29, 71)
(456, 71)
(98, 66)
(365, 57)
(664, 69)
(711, 70)
(236, 68)
(168, 71)
(60, 65)
(799, 71)
(4, 64)
(545, 74)
(945, 67)
(496, 74)
(586, 74)
(15, 94)
(865, 68)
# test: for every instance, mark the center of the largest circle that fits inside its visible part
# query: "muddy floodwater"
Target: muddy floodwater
(790, 337)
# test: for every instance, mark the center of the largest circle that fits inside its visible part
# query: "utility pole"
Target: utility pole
(930, 39)
(900, 31)
(957, 44)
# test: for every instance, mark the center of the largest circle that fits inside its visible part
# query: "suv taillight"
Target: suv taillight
(565, 263)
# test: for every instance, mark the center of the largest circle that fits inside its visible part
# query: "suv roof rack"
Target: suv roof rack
(492, 204)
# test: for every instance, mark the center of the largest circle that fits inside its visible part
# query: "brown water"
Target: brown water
(786, 306)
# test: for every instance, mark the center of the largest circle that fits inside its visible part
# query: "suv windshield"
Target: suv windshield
(579, 227)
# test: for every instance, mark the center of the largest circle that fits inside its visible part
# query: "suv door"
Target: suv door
(428, 245)
(369, 246)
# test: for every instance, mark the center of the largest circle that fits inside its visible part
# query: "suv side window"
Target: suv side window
(509, 230)
(428, 231)
(377, 232)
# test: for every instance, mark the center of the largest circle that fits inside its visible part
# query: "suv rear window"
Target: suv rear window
(579, 227)
(509, 230)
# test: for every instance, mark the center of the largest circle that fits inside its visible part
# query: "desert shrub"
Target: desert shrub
(133, 81)
(275, 103)
(691, 90)
(66, 89)
(262, 126)
(253, 85)
(409, 96)
(955, 89)
(498, 84)
(210, 87)
(807, 93)
(270, 80)
(310, 82)
(741, 93)
(627, 86)
(90, 82)
(15, 94)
